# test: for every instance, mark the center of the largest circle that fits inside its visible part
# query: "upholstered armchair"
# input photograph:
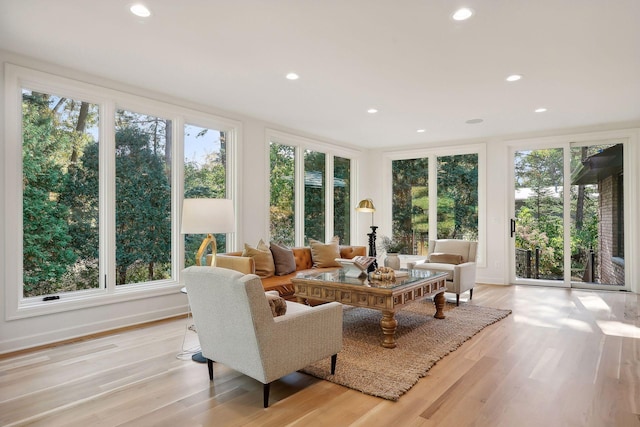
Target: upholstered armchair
(236, 326)
(455, 257)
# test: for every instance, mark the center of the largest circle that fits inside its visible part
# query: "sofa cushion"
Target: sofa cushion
(262, 257)
(445, 258)
(325, 254)
(283, 259)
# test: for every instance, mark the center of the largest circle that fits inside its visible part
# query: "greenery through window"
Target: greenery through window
(282, 183)
(314, 195)
(342, 205)
(456, 204)
(143, 197)
(205, 172)
(60, 194)
(411, 204)
(458, 197)
(323, 195)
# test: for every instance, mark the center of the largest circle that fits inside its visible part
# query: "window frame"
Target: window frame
(301, 144)
(432, 154)
(108, 101)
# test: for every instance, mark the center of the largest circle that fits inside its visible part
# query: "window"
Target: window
(441, 185)
(205, 176)
(143, 197)
(310, 190)
(97, 215)
(282, 207)
(60, 194)
(314, 195)
(342, 198)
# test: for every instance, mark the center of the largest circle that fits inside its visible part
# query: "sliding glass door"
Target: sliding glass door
(567, 227)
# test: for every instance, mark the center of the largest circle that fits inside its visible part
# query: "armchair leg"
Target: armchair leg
(334, 358)
(210, 366)
(265, 393)
(470, 293)
(457, 300)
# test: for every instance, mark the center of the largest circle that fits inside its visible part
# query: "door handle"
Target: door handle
(513, 227)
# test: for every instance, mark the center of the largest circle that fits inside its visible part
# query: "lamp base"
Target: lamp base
(372, 248)
(209, 240)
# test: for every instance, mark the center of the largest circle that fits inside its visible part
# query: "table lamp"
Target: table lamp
(366, 205)
(210, 216)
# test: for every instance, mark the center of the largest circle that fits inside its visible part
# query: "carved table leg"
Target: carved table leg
(389, 325)
(439, 301)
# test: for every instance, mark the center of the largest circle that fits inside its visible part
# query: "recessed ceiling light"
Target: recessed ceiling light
(293, 76)
(420, 131)
(372, 111)
(540, 110)
(140, 10)
(462, 14)
(514, 77)
(474, 121)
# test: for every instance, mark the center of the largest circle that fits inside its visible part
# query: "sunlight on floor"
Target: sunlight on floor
(618, 329)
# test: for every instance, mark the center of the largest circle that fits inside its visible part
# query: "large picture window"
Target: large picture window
(310, 191)
(98, 190)
(435, 196)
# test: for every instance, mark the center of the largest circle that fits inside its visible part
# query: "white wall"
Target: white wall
(253, 209)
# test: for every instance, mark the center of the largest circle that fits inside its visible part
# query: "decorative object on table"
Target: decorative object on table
(210, 216)
(366, 205)
(384, 273)
(356, 266)
(391, 248)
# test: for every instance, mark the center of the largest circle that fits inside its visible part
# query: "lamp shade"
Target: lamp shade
(366, 205)
(207, 216)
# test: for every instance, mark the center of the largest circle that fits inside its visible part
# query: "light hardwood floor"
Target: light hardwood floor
(563, 358)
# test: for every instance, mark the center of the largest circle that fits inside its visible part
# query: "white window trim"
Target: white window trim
(108, 100)
(301, 144)
(432, 154)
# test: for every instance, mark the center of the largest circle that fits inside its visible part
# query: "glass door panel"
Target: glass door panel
(597, 216)
(539, 211)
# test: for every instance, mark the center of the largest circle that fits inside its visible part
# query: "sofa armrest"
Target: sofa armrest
(412, 264)
(245, 265)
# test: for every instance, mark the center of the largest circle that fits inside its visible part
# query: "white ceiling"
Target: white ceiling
(407, 58)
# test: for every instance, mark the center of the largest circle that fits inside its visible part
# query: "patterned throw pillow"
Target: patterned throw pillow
(325, 254)
(262, 257)
(277, 304)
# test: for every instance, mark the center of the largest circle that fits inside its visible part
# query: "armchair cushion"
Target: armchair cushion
(445, 258)
(324, 255)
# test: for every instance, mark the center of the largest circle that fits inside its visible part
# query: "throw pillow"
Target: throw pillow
(262, 258)
(325, 254)
(283, 259)
(277, 304)
(445, 258)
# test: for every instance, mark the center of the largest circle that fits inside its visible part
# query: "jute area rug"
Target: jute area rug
(364, 365)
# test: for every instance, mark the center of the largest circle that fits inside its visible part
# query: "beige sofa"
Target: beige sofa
(282, 284)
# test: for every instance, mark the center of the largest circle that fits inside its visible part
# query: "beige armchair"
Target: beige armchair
(455, 257)
(236, 326)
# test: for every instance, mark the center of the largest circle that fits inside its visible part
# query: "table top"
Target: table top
(404, 278)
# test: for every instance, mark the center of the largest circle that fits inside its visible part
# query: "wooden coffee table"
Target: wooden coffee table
(379, 295)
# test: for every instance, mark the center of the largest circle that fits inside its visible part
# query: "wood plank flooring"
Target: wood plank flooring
(563, 358)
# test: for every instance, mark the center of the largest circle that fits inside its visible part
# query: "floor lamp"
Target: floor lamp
(366, 205)
(210, 216)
